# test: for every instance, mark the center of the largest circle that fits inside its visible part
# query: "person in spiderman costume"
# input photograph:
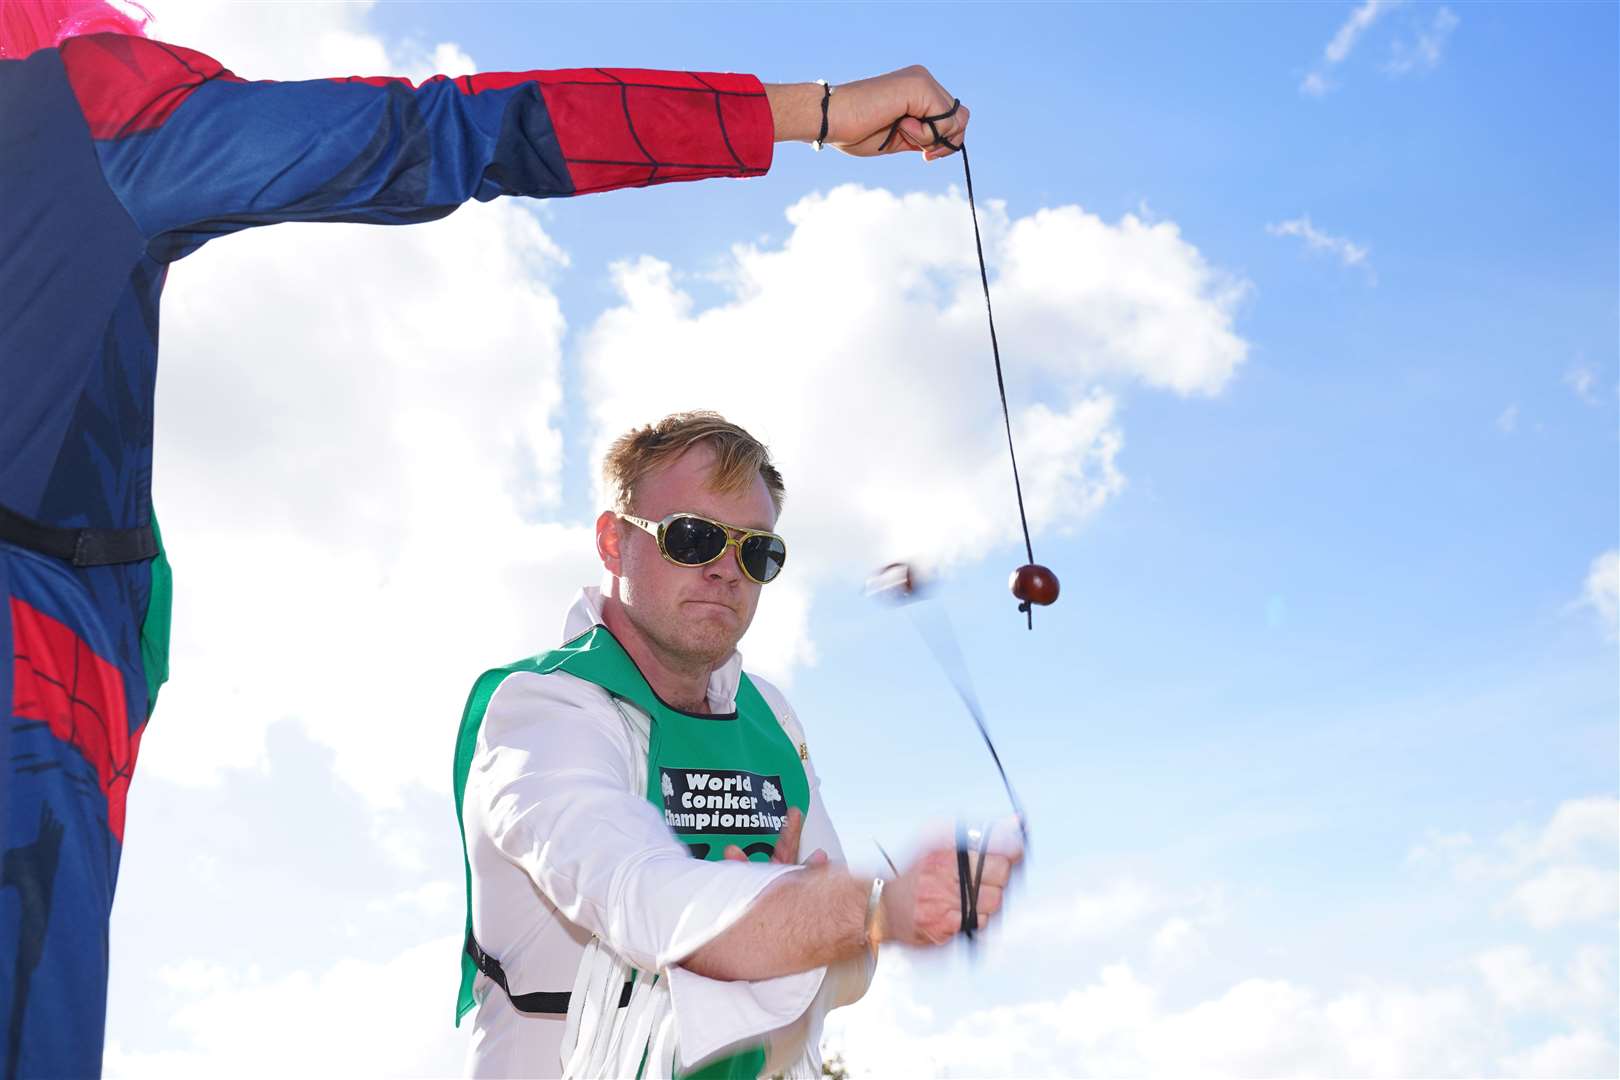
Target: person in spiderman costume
(119, 155)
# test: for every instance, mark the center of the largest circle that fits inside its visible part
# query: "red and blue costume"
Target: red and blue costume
(119, 155)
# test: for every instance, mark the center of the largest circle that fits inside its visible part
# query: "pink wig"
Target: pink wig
(28, 25)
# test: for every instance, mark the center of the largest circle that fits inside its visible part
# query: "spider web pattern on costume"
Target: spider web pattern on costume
(626, 127)
(58, 681)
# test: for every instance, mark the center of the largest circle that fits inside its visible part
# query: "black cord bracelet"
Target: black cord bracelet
(826, 99)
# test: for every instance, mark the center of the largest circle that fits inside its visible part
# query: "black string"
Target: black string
(941, 641)
(995, 348)
(1001, 385)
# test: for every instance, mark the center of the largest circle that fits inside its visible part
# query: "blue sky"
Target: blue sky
(1325, 723)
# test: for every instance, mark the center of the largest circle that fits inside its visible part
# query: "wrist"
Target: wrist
(795, 110)
(875, 922)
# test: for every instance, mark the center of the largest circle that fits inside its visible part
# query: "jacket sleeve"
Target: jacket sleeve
(556, 786)
(194, 152)
(847, 981)
(557, 789)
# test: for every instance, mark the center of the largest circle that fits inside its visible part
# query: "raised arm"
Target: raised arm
(194, 152)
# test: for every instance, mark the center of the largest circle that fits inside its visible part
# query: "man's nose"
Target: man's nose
(726, 568)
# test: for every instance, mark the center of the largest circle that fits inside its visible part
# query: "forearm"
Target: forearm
(807, 920)
(795, 110)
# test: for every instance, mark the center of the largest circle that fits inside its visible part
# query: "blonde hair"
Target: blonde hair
(738, 456)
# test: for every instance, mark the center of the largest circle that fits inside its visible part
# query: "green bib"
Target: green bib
(718, 780)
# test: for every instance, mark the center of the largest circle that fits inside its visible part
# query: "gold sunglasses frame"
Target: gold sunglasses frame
(736, 535)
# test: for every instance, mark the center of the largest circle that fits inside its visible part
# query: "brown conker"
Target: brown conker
(1034, 584)
(897, 581)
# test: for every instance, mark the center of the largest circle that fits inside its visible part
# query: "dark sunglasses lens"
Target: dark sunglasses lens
(763, 557)
(692, 542)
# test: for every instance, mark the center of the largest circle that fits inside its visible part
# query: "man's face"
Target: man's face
(694, 614)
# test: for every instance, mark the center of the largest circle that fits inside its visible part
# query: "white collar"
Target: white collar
(586, 612)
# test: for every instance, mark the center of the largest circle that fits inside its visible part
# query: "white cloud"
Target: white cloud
(1583, 1052)
(1343, 42)
(1601, 592)
(1567, 894)
(1520, 981)
(345, 1020)
(1422, 52)
(1350, 31)
(1561, 873)
(1582, 378)
(1347, 251)
(1088, 914)
(858, 350)
(338, 446)
(1117, 1024)
(1581, 827)
(356, 432)
(1175, 937)
(1507, 422)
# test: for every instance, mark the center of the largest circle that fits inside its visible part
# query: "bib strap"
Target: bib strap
(544, 1003)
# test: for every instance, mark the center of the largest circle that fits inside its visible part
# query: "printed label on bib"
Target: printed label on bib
(722, 801)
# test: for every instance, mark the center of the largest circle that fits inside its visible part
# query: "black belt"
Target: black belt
(81, 547)
(554, 1003)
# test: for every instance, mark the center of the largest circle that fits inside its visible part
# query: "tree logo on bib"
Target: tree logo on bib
(722, 802)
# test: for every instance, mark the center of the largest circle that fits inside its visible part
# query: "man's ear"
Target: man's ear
(608, 537)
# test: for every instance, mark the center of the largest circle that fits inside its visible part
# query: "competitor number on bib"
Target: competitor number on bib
(722, 801)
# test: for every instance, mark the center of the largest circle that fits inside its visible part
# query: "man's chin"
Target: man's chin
(710, 630)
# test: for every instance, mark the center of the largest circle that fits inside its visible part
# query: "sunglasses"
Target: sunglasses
(690, 540)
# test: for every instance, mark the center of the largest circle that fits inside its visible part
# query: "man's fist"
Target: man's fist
(923, 906)
(861, 114)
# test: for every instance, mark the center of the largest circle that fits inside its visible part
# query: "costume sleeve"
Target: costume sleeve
(195, 152)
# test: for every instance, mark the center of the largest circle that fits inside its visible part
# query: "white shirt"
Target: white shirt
(564, 844)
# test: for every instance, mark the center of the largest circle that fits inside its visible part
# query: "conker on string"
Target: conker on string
(1034, 584)
(898, 582)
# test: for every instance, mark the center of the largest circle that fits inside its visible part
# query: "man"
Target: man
(587, 778)
(119, 155)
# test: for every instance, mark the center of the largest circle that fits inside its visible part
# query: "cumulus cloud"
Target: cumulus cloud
(1601, 591)
(1579, 827)
(1560, 873)
(296, 40)
(878, 397)
(238, 1023)
(1582, 1052)
(342, 498)
(1567, 894)
(357, 442)
(1521, 981)
(1115, 1023)
(1507, 421)
(1339, 47)
(1347, 251)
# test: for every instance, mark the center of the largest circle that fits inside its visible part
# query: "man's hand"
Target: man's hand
(923, 906)
(860, 114)
(787, 844)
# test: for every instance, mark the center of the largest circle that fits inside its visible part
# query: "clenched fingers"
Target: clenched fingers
(787, 841)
